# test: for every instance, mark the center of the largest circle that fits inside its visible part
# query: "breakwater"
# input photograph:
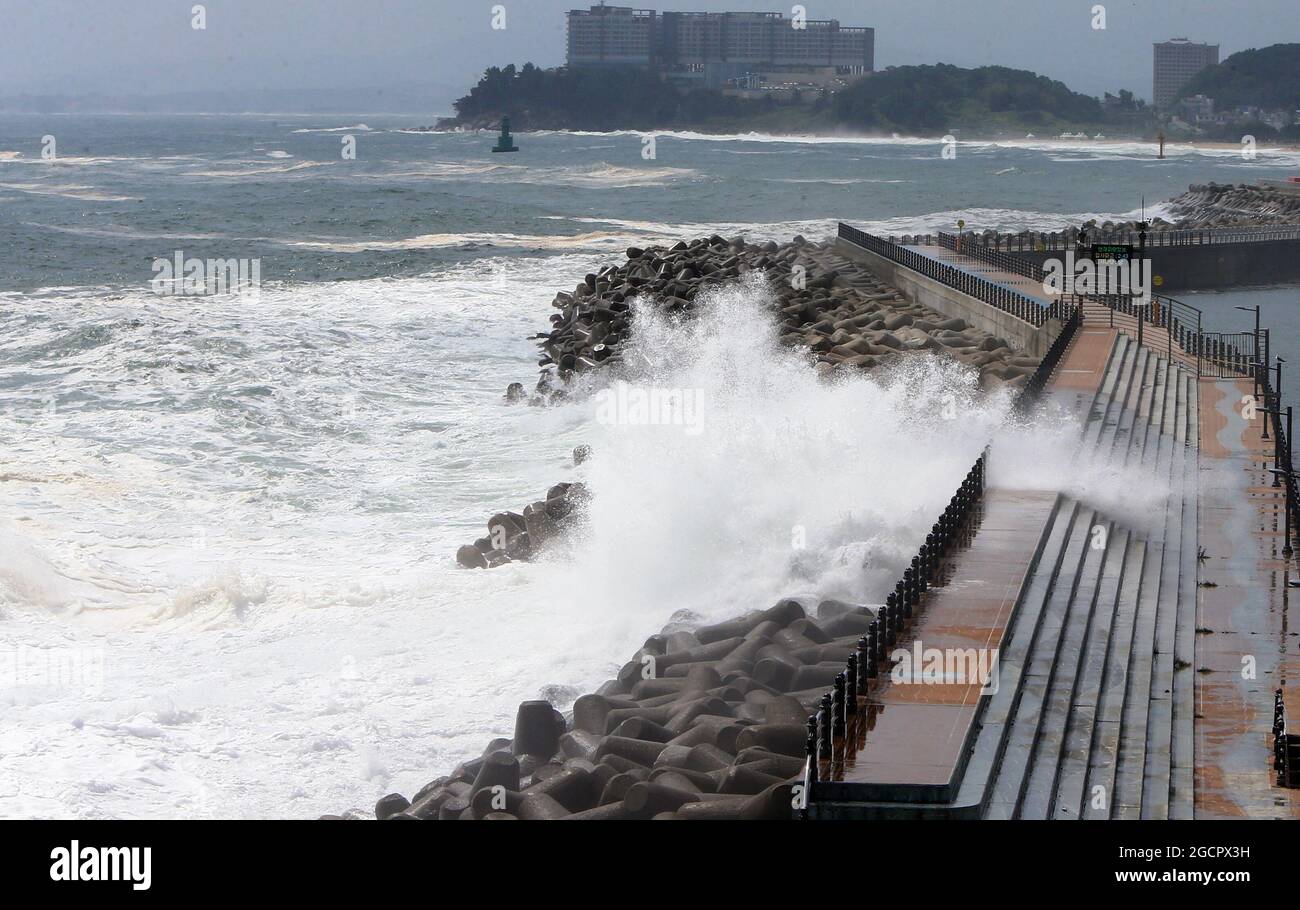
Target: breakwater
(844, 317)
(702, 721)
(1227, 205)
(1222, 236)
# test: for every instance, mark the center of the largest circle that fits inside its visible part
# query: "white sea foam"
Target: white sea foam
(66, 191)
(355, 128)
(640, 233)
(591, 240)
(1091, 148)
(252, 169)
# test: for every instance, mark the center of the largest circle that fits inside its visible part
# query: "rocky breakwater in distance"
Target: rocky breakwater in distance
(841, 313)
(707, 722)
(1240, 205)
(845, 317)
(1211, 205)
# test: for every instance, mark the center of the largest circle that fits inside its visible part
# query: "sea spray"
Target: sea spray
(784, 484)
(1046, 453)
(776, 483)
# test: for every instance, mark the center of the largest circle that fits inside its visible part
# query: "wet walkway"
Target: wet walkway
(1137, 665)
(1246, 646)
(1016, 282)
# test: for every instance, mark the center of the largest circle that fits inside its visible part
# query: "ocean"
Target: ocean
(228, 522)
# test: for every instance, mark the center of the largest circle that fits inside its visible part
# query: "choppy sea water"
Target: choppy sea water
(227, 524)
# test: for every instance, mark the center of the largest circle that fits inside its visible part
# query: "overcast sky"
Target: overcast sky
(149, 46)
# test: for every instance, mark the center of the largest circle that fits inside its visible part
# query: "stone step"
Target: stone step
(1087, 703)
(1053, 585)
(1114, 387)
(1095, 419)
(1146, 453)
(1114, 688)
(1121, 434)
(1158, 460)
(1156, 771)
(1153, 387)
(1064, 673)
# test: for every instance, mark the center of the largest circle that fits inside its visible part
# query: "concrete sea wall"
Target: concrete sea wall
(1029, 340)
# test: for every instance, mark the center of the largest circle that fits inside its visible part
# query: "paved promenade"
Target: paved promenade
(1248, 642)
(1138, 665)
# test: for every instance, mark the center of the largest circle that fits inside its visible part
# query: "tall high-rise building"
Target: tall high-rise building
(622, 35)
(612, 35)
(1176, 62)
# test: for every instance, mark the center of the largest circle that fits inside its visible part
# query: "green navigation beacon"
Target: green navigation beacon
(507, 142)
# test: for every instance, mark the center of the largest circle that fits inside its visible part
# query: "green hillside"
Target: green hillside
(916, 100)
(1268, 78)
(928, 99)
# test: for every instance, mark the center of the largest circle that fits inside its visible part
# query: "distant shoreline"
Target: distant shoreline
(1023, 142)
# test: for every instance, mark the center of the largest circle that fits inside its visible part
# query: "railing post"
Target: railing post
(1268, 383)
(1199, 337)
(825, 749)
(811, 748)
(851, 687)
(1287, 500)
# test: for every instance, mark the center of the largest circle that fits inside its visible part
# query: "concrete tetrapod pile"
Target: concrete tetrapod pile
(841, 313)
(709, 723)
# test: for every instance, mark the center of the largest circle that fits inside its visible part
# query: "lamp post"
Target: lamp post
(1277, 423)
(1254, 373)
(1286, 507)
(1142, 255)
(1276, 411)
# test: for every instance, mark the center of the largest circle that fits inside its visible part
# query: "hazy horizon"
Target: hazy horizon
(423, 54)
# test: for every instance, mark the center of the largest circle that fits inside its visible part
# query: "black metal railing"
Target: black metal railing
(1043, 241)
(1286, 746)
(1216, 355)
(995, 295)
(1016, 265)
(1277, 421)
(828, 727)
(1038, 380)
(1212, 355)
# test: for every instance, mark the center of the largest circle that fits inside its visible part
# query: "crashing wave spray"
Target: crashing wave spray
(727, 474)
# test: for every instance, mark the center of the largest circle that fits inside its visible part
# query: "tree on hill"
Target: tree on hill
(1267, 77)
(926, 99)
(610, 98)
